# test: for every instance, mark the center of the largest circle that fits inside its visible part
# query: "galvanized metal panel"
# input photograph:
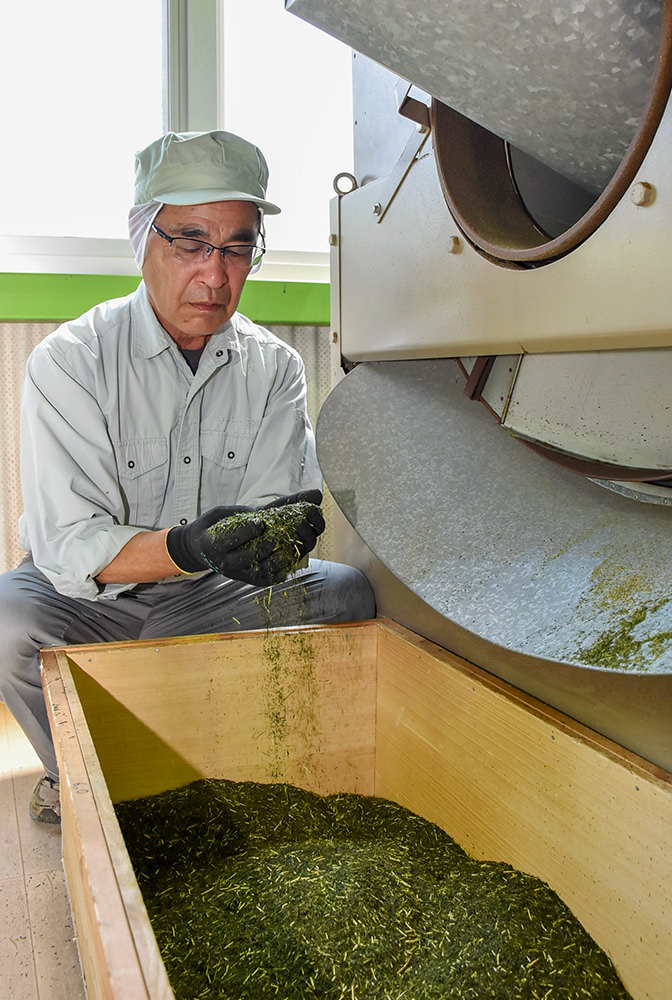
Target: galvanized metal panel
(610, 406)
(509, 547)
(575, 109)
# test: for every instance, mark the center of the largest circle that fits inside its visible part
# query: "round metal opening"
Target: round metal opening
(517, 210)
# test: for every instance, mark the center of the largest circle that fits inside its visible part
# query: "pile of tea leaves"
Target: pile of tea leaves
(265, 891)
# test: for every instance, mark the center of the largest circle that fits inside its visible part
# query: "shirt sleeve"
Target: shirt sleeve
(73, 507)
(283, 459)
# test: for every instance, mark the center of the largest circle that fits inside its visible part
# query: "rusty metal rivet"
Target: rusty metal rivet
(642, 194)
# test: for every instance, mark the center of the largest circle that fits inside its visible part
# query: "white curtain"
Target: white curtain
(16, 342)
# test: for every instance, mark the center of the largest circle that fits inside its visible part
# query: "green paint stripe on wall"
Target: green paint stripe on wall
(288, 303)
(55, 297)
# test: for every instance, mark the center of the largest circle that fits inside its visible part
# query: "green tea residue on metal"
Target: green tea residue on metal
(266, 891)
(623, 647)
(631, 636)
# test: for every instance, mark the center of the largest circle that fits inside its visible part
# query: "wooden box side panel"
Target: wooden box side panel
(295, 705)
(118, 952)
(513, 781)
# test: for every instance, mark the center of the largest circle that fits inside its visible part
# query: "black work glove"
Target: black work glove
(228, 542)
(307, 496)
(183, 542)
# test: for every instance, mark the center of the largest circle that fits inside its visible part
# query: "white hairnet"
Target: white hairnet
(140, 219)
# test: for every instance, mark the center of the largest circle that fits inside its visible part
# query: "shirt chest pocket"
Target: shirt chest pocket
(225, 456)
(143, 474)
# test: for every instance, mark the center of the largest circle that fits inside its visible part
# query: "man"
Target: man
(151, 418)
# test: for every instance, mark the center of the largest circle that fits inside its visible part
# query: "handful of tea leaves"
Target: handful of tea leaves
(279, 535)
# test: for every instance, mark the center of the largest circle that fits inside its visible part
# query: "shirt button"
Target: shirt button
(186, 460)
(231, 454)
(218, 354)
(131, 465)
(183, 520)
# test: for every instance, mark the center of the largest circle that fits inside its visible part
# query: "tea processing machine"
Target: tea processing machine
(500, 449)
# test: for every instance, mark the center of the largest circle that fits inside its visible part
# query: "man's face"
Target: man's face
(193, 300)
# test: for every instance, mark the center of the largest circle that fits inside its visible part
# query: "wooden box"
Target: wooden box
(369, 708)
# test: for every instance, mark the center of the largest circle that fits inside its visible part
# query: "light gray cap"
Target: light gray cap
(194, 168)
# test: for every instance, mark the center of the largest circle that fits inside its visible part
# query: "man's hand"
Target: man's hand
(258, 547)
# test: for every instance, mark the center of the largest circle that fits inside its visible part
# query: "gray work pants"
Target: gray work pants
(33, 615)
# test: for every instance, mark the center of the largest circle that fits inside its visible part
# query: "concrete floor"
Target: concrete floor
(38, 953)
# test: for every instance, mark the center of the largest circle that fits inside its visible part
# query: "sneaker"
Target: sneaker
(45, 802)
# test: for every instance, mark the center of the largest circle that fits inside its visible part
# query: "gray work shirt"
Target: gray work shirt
(118, 436)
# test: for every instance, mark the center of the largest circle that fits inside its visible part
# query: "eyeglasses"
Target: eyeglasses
(192, 252)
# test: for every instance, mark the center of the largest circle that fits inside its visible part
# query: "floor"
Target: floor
(38, 953)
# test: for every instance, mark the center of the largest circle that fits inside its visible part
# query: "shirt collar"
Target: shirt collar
(149, 339)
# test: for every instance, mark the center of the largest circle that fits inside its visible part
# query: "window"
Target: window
(82, 91)
(287, 87)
